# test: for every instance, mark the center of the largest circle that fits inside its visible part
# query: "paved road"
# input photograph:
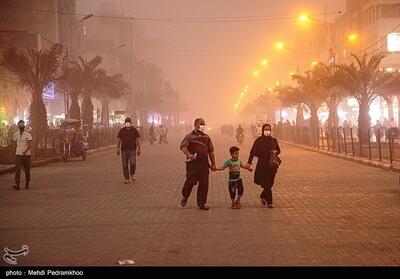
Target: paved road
(327, 211)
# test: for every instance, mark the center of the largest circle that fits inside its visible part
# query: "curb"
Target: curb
(356, 159)
(54, 160)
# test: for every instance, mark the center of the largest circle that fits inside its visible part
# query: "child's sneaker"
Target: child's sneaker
(238, 205)
(233, 206)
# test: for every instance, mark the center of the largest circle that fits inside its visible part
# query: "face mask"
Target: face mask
(267, 133)
(127, 124)
(202, 128)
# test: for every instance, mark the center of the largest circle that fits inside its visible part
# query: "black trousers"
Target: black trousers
(267, 187)
(233, 185)
(192, 177)
(25, 162)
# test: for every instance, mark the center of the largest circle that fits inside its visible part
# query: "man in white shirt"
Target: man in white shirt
(23, 155)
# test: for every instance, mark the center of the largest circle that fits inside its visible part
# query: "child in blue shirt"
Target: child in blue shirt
(235, 181)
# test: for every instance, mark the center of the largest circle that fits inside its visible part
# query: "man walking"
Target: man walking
(23, 155)
(197, 147)
(128, 145)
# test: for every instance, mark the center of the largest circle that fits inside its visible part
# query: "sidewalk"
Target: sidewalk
(327, 212)
(4, 169)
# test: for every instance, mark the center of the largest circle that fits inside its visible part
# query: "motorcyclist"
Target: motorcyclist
(240, 134)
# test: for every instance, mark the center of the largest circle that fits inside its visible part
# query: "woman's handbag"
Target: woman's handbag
(274, 160)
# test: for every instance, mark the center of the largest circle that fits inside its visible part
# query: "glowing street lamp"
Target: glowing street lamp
(256, 73)
(314, 63)
(304, 18)
(264, 62)
(352, 38)
(279, 45)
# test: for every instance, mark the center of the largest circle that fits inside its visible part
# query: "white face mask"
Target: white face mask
(128, 124)
(202, 128)
(267, 133)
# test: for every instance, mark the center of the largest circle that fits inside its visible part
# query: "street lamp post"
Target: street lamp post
(304, 18)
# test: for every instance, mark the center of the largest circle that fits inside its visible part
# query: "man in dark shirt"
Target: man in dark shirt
(197, 147)
(128, 145)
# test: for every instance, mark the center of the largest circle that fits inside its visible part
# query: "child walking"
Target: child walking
(235, 181)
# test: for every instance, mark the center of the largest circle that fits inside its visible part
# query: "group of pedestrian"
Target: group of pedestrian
(198, 148)
(199, 151)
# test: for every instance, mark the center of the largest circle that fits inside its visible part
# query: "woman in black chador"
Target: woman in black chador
(264, 174)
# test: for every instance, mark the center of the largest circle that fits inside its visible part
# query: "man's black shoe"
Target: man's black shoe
(204, 207)
(16, 187)
(183, 202)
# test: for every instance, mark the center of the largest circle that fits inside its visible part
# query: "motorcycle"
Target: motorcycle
(240, 138)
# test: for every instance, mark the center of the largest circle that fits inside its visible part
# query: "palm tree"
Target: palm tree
(394, 84)
(146, 81)
(312, 95)
(292, 96)
(35, 70)
(109, 87)
(73, 82)
(389, 90)
(325, 77)
(88, 70)
(363, 80)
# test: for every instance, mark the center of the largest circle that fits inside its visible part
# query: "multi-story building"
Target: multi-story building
(36, 25)
(372, 27)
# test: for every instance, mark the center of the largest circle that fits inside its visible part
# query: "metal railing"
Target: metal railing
(49, 145)
(375, 144)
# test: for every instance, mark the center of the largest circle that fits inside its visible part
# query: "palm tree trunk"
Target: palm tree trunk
(389, 102)
(398, 110)
(364, 121)
(299, 116)
(104, 105)
(37, 119)
(87, 111)
(74, 110)
(314, 122)
(333, 119)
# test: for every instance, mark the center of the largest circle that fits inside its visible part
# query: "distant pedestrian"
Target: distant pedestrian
(197, 147)
(163, 134)
(23, 155)
(235, 183)
(152, 134)
(128, 146)
(264, 174)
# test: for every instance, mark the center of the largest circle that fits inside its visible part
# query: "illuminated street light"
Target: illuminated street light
(246, 86)
(304, 18)
(264, 62)
(241, 94)
(279, 45)
(314, 63)
(352, 38)
(291, 74)
(256, 73)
